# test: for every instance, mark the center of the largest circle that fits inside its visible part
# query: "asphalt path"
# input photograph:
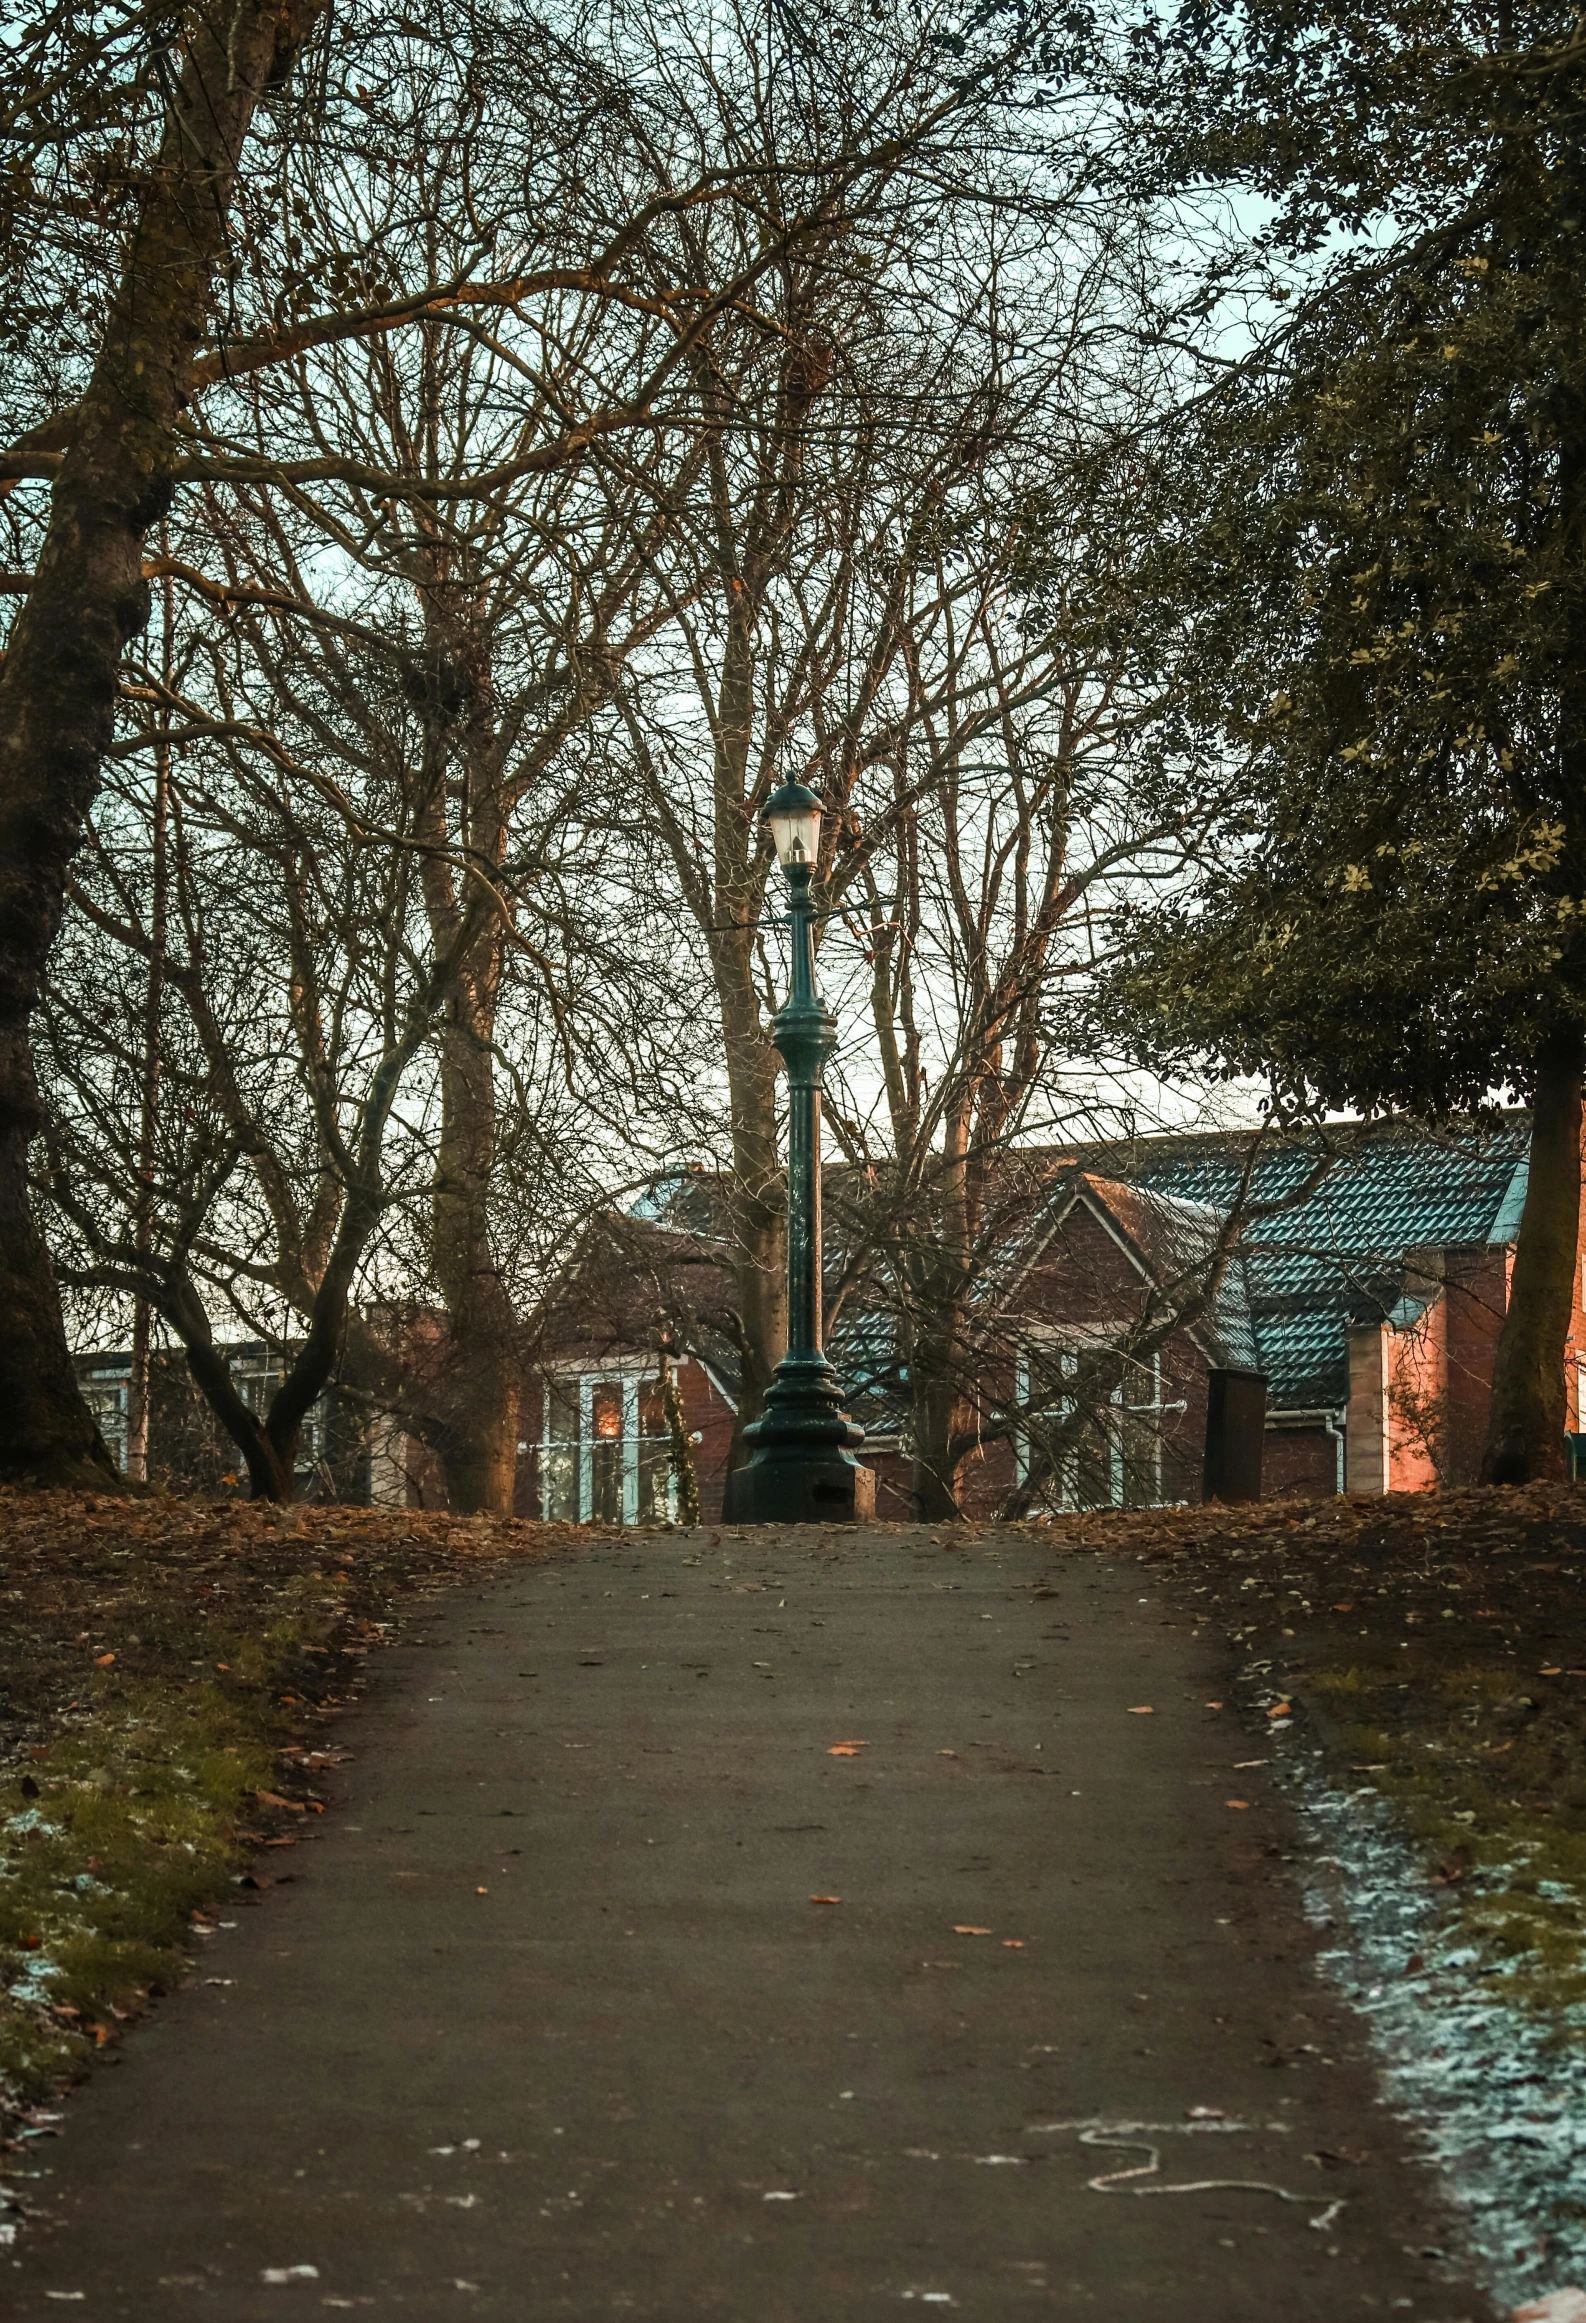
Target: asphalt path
(780, 1926)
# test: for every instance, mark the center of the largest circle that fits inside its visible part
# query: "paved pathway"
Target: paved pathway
(549, 2025)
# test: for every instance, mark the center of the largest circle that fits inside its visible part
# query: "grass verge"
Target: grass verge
(167, 1672)
(1431, 1646)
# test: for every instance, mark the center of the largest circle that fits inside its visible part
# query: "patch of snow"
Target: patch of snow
(32, 1987)
(1499, 2105)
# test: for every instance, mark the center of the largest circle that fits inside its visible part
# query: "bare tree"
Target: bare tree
(1010, 803)
(273, 249)
(858, 602)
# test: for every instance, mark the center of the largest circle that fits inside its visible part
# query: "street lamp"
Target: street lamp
(802, 1468)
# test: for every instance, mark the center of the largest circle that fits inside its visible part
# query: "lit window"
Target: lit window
(605, 1451)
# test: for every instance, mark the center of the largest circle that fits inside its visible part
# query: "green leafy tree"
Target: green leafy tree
(1377, 563)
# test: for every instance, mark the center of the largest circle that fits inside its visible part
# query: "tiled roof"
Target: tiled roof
(1337, 1254)
(1316, 1262)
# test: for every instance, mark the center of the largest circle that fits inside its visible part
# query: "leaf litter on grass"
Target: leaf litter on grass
(1411, 1660)
(160, 1661)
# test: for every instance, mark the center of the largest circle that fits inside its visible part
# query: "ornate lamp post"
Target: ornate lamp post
(802, 1469)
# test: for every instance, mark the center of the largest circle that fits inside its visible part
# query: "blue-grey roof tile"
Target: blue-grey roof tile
(1337, 1255)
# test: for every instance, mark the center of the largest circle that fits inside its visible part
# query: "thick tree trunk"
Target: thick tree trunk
(758, 1204)
(1525, 1431)
(476, 1401)
(59, 676)
(478, 1439)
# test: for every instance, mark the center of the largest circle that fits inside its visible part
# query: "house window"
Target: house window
(1107, 1456)
(605, 1450)
(106, 1393)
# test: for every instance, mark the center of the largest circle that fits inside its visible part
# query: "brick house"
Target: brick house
(642, 1294)
(1375, 1300)
(1370, 1302)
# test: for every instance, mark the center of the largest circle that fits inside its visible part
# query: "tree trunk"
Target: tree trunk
(137, 1463)
(681, 1452)
(271, 1474)
(478, 1439)
(478, 1397)
(1525, 1429)
(59, 676)
(938, 1272)
(935, 1410)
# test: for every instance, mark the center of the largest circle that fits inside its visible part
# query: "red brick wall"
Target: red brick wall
(1299, 1463)
(1477, 1295)
(1085, 1277)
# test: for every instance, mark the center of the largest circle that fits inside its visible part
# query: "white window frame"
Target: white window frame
(1072, 1340)
(631, 1373)
(108, 1394)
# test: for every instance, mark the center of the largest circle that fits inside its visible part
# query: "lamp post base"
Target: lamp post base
(802, 1470)
(800, 1491)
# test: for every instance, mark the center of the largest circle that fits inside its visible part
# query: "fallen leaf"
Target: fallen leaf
(971, 1931)
(1214, 1705)
(947, 1754)
(1013, 1943)
(274, 1799)
(481, 1891)
(103, 1661)
(846, 1749)
(826, 1899)
(1236, 1802)
(1566, 2306)
(1281, 1710)
(1142, 1710)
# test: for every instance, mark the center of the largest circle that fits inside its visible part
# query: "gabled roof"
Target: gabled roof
(631, 1281)
(1317, 1261)
(1173, 1242)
